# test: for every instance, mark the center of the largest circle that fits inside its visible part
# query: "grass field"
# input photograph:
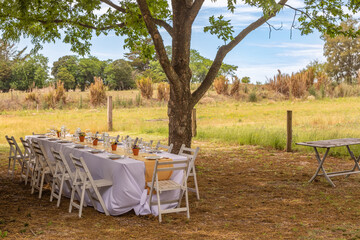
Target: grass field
(262, 123)
(247, 192)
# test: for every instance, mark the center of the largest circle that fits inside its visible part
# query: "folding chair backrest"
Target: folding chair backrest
(169, 166)
(14, 147)
(59, 156)
(38, 151)
(81, 166)
(189, 152)
(168, 148)
(59, 159)
(28, 150)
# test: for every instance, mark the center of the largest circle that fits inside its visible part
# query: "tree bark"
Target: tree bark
(179, 113)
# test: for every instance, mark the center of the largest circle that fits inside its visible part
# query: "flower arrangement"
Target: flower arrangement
(135, 149)
(94, 140)
(81, 136)
(114, 145)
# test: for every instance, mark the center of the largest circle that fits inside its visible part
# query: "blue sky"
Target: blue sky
(256, 56)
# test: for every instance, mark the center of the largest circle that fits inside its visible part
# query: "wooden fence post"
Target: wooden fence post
(109, 113)
(289, 131)
(193, 122)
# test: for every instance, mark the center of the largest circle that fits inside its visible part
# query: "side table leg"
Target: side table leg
(356, 160)
(320, 167)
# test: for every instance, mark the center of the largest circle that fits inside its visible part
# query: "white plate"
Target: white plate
(64, 141)
(41, 136)
(79, 146)
(114, 157)
(52, 139)
(95, 151)
(152, 157)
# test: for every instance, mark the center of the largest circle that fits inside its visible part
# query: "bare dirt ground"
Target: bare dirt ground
(247, 192)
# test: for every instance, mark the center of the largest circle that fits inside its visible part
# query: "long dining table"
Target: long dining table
(128, 191)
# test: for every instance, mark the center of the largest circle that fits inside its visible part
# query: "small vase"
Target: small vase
(113, 147)
(136, 151)
(81, 138)
(95, 142)
(58, 134)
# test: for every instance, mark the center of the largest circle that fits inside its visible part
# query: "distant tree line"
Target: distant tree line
(21, 71)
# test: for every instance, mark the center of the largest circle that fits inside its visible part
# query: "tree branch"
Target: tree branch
(195, 8)
(159, 22)
(221, 53)
(164, 24)
(159, 44)
(113, 5)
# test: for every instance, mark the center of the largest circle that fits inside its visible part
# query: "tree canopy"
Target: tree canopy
(343, 55)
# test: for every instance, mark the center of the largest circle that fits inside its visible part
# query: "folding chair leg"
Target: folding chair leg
(100, 199)
(159, 208)
(27, 172)
(41, 184)
(82, 200)
(72, 198)
(60, 190)
(13, 169)
(196, 185)
(52, 191)
(187, 203)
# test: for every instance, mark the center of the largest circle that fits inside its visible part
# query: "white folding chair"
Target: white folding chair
(191, 154)
(67, 172)
(85, 182)
(169, 185)
(28, 163)
(61, 176)
(15, 155)
(168, 148)
(41, 170)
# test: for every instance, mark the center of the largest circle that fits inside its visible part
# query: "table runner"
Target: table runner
(128, 176)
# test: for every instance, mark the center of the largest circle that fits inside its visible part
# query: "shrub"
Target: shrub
(163, 91)
(145, 86)
(97, 92)
(33, 97)
(60, 95)
(49, 99)
(221, 85)
(252, 97)
(235, 87)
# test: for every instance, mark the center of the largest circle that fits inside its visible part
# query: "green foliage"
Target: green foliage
(88, 69)
(3, 234)
(245, 80)
(29, 73)
(118, 75)
(343, 55)
(220, 27)
(67, 78)
(9, 56)
(82, 71)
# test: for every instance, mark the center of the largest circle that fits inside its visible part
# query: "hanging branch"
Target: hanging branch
(272, 27)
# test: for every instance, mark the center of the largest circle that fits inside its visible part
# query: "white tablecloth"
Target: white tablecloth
(128, 176)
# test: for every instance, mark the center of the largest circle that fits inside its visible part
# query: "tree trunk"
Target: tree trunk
(179, 112)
